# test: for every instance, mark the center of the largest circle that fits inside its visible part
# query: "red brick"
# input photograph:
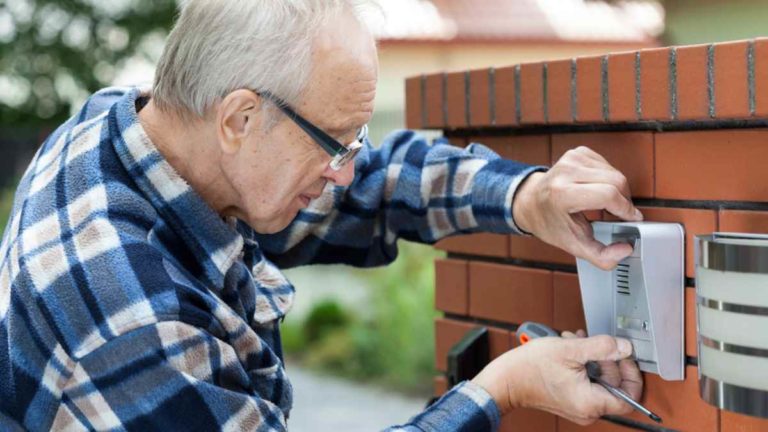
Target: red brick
(564, 425)
(678, 403)
(731, 80)
(533, 249)
(569, 310)
(559, 92)
(589, 73)
(743, 221)
(479, 100)
(456, 93)
(531, 93)
(733, 422)
(534, 150)
(622, 88)
(440, 385)
(530, 149)
(692, 87)
(482, 244)
(506, 114)
(458, 141)
(433, 90)
(629, 152)
(526, 419)
(515, 341)
(654, 84)
(449, 332)
(691, 348)
(761, 77)
(500, 341)
(593, 215)
(724, 165)
(413, 107)
(696, 222)
(510, 293)
(451, 286)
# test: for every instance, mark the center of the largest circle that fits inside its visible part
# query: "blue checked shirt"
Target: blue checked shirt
(126, 303)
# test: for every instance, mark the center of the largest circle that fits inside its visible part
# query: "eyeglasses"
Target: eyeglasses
(340, 153)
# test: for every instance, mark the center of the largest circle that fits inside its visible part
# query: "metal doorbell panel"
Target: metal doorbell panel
(642, 299)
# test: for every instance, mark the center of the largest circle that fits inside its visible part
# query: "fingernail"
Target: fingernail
(638, 215)
(625, 347)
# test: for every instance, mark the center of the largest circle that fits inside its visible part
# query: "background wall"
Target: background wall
(687, 127)
(702, 21)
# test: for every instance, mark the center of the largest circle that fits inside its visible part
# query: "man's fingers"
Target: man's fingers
(602, 256)
(631, 378)
(630, 382)
(597, 348)
(588, 156)
(594, 196)
(612, 405)
(609, 372)
(580, 242)
(609, 176)
(571, 335)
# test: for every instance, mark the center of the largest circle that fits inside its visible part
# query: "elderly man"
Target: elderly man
(139, 280)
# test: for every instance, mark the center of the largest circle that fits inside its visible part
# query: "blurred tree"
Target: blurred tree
(53, 53)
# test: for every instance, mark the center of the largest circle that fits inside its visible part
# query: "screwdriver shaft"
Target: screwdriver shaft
(626, 398)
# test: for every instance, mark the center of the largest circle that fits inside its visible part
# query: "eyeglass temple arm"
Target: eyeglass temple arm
(326, 141)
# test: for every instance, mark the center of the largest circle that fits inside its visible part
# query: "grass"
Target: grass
(393, 345)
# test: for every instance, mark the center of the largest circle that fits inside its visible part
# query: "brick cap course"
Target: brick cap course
(617, 88)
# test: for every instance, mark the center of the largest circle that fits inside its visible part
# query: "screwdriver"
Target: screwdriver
(530, 330)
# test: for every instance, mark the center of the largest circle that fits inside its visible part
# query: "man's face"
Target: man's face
(278, 172)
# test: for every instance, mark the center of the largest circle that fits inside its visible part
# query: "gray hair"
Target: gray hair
(219, 46)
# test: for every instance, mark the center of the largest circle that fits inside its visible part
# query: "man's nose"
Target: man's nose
(342, 177)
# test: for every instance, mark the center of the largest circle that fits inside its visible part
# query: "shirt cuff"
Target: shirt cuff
(493, 194)
(467, 407)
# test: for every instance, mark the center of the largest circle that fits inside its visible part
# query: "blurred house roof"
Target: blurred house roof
(583, 21)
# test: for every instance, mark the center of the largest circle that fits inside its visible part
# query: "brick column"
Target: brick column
(686, 125)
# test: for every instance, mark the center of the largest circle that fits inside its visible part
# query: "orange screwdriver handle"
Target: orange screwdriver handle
(530, 330)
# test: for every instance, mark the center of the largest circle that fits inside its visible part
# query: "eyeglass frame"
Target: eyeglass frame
(340, 153)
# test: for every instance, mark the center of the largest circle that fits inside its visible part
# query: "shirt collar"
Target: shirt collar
(214, 242)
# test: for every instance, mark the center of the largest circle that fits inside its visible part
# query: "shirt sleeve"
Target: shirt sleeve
(166, 376)
(405, 189)
(173, 376)
(467, 407)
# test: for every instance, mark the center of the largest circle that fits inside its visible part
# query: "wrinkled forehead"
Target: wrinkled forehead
(342, 86)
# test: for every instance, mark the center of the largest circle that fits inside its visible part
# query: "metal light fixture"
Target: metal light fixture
(732, 321)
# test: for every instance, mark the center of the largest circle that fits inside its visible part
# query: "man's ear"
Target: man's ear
(238, 116)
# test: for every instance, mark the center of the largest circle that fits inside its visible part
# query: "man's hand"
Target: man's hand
(549, 374)
(550, 205)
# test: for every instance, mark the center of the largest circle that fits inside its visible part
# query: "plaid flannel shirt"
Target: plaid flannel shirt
(127, 303)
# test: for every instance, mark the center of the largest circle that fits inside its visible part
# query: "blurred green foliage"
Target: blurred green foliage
(6, 204)
(392, 342)
(325, 318)
(53, 53)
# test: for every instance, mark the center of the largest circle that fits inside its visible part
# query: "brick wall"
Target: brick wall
(686, 125)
